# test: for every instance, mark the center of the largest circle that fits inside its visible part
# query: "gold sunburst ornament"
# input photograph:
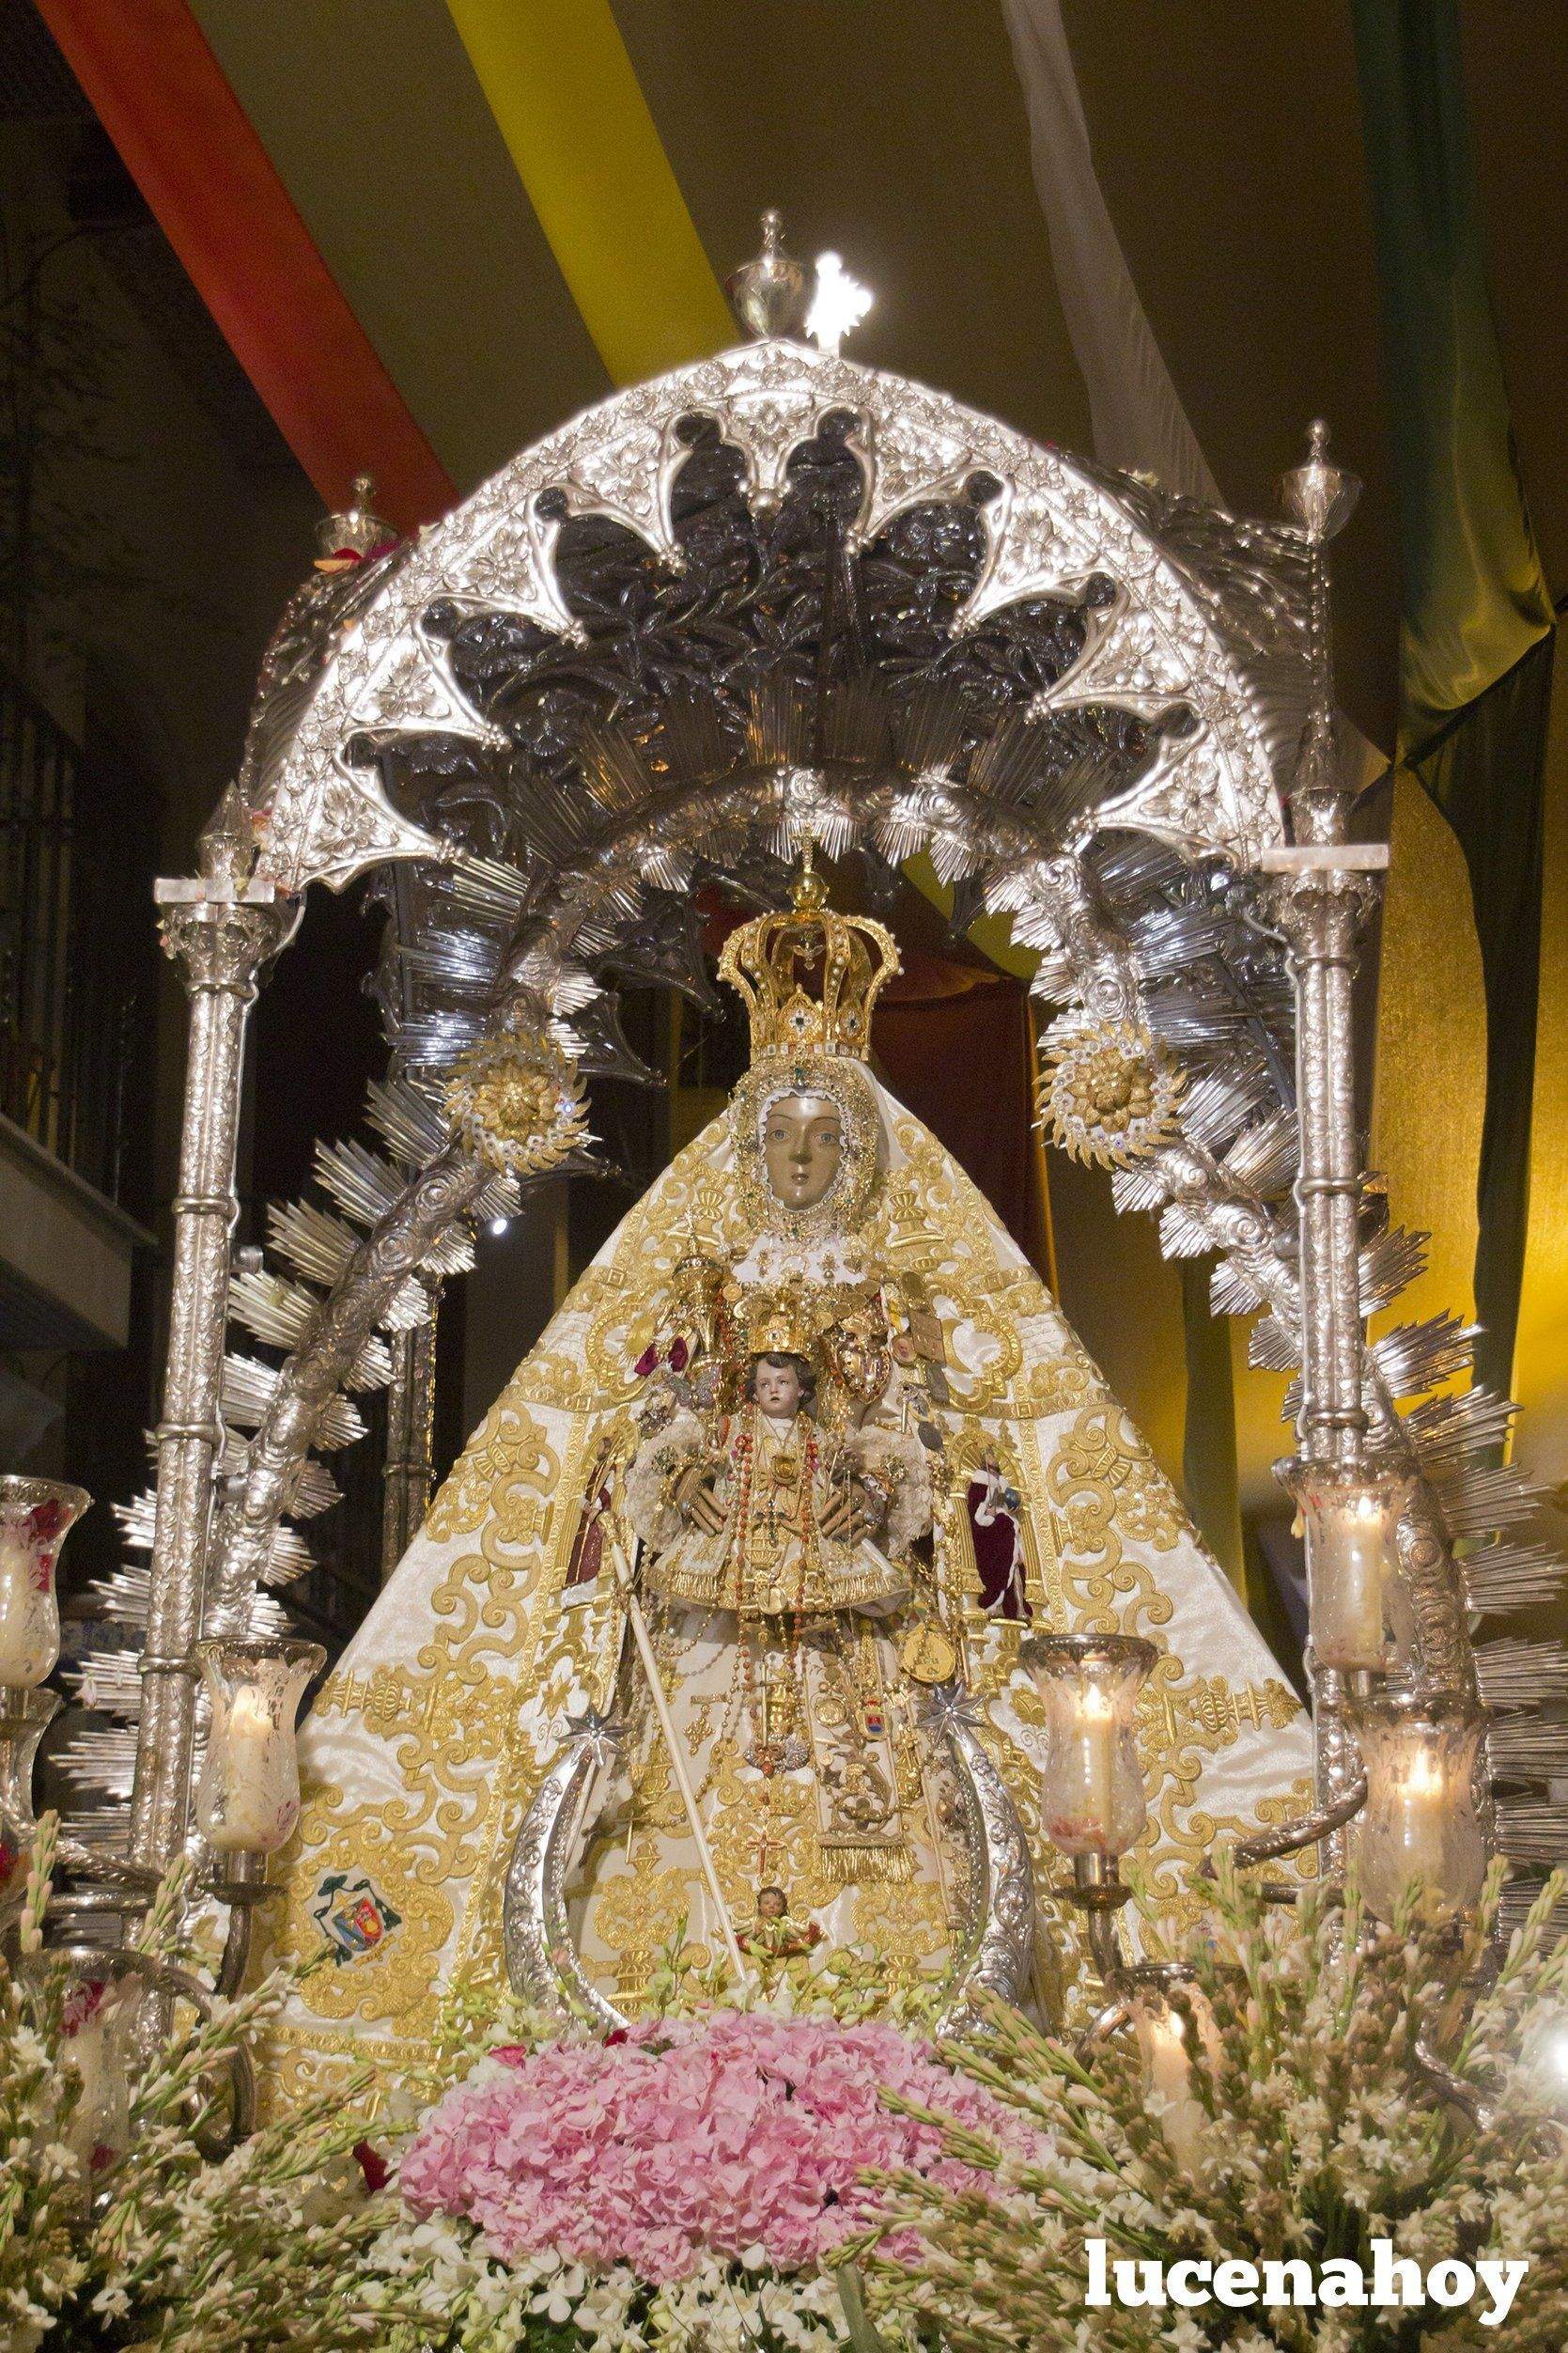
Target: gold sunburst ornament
(1108, 1093)
(516, 1102)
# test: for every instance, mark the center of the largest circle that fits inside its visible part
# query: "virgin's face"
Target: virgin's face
(802, 1148)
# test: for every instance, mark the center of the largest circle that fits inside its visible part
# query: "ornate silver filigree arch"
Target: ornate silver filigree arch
(1191, 628)
(1207, 616)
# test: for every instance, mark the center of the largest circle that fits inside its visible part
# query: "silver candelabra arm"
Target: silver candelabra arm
(1306, 1831)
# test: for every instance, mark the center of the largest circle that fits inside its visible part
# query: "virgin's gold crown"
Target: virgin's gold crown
(810, 978)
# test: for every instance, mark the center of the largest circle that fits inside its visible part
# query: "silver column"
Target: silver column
(1321, 899)
(411, 1401)
(221, 938)
(1319, 911)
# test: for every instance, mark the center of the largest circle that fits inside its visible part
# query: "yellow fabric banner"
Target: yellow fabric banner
(1541, 1344)
(567, 102)
(1430, 1101)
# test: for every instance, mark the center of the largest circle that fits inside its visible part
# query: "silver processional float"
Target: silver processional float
(1144, 772)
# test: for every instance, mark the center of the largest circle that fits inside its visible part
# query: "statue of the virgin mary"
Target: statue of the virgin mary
(712, 1634)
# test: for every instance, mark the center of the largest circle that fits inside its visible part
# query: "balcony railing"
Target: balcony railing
(78, 949)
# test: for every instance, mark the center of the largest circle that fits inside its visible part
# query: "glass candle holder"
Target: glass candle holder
(248, 1797)
(1171, 2034)
(97, 2021)
(1091, 1785)
(1419, 1826)
(1361, 1612)
(36, 1516)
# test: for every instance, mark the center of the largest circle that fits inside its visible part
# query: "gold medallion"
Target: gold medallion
(928, 1654)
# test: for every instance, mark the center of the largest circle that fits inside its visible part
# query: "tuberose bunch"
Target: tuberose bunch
(1345, 2083)
(122, 2222)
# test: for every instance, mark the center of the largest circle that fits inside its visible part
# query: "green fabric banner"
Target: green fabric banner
(1487, 773)
(1474, 674)
(1475, 596)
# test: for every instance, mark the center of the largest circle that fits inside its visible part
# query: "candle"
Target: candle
(1167, 2077)
(1347, 1560)
(248, 1800)
(1407, 1843)
(1420, 1803)
(1420, 1827)
(1094, 1732)
(1091, 1785)
(1166, 2045)
(29, 1621)
(95, 2019)
(262, 1794)
(1359, 1620)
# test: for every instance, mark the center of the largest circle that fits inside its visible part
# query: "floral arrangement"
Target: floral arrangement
(121, 2226)
(731, 2133)
(1344, 2082)
(803, 2175)
(687, 2181)
(683, 2184)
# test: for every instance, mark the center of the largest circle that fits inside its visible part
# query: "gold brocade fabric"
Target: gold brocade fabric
(426, 1744)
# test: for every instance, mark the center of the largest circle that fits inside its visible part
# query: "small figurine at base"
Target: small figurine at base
(772, 1935)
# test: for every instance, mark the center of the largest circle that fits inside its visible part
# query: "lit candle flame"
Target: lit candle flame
(249, 1712)
(1425, 1778)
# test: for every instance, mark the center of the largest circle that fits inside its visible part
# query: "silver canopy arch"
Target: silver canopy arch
(1199, 617)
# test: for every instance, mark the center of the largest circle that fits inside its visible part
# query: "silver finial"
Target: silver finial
(1319, 497)
(356, 530)
(770, 294)
(226, 849)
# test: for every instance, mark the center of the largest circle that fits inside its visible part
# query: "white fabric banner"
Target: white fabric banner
(1140, 424)
(453, 1698)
